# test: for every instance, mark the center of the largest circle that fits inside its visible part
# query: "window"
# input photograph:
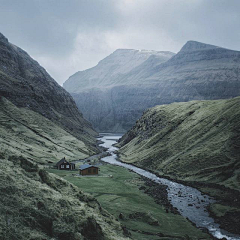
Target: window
(89, 170)
(62, 166)
(67, 166)
(94, 170)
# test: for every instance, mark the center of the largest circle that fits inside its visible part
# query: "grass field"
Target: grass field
(141, 215)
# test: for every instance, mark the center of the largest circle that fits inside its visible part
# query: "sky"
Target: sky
(66, 36)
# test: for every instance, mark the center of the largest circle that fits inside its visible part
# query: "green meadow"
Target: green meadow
(120, 194)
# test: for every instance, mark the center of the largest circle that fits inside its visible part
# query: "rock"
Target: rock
(26, 84)
(115, 93)
(103, 93)
(121, 216)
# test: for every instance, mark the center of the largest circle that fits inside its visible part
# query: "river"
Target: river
(190, 202)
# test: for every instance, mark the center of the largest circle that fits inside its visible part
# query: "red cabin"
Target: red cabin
(87, 169)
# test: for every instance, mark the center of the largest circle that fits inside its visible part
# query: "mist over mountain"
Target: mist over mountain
(103, 93)
(111, 70)
(113, 94)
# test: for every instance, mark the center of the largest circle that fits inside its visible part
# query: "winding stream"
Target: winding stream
(190, 202)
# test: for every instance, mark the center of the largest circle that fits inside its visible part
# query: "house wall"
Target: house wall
(64, 166)
(72, 166)
(87, 172)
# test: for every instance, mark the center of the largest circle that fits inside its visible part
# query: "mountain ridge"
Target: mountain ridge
(26, 84)
(195, 45)
(187, 140)
(120, 62)
(198, 71)
(39, 125)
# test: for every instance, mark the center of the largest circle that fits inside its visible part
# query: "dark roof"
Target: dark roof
(61, 161)
(85, 166)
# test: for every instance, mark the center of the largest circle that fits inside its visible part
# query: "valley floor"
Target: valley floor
(125, 196)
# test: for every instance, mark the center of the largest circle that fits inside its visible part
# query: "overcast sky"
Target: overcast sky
(66, 36)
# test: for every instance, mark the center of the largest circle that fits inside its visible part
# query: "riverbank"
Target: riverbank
(225, 210)
(123, 196)
(110, 192)
(189, 201)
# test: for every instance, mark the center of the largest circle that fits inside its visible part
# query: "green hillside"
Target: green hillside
(197, 140)
(39, 125)
(37, 205)
(29, 134)
(197, 143)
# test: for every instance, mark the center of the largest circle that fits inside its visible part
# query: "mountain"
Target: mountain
(35, 204)
(195, 140)
(27, 85)
(197, 143)
(111, 70)
(40, 124)
(103, 94)
(114, 102)
(26, 133)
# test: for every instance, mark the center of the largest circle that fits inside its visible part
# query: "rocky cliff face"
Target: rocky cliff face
(26, 84)
(199, 71)
(107, 98)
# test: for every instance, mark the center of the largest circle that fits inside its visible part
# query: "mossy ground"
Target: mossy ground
(27, 133)
(37, 205)
(197, 142)
(120, 194)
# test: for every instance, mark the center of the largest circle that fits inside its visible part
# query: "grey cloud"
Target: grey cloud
(52, 25)
(70, 35)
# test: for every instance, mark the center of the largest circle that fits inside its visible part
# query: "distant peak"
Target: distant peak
(3, 38)
(194, 45)
(144, 51)
(124, 50)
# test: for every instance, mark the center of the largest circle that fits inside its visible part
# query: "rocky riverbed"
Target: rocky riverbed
(188, 201)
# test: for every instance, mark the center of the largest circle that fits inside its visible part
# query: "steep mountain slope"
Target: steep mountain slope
(198, 71)
(103, 94)
(37, 205)
(39, 124)
(26, 133)
(111, 70)
(26, 84)
(197, 143)
(197, 140)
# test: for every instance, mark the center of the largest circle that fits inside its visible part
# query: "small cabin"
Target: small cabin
(63, 164)
(87, 169)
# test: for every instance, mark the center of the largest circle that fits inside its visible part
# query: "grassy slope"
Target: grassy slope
(198, 140)
(26, 84)
(121, 194)
(37, 205)
(27, 133)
